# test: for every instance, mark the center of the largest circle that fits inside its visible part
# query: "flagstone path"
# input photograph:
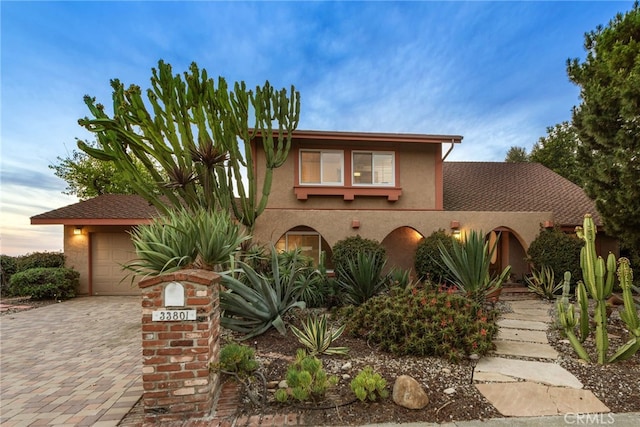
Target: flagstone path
(522, 378)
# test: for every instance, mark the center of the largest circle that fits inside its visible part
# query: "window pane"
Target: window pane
(362, 168)
(310, 167)
(383, 169)
(331, 168)
(308, 243)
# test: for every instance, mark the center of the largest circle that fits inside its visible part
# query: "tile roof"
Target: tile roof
(468, 186)
(114, 207)
(514, 187)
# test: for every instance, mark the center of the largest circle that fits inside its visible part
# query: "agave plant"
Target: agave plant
(202, 239)
(318, 337)
(254, 303)
(542, 283)
(469, 262)
(362, 277)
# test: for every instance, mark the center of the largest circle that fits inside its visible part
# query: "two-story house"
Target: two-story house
(394, 188)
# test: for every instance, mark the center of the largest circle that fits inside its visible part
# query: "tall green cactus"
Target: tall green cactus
(568, 322)
(599, 278)
(198, 136)
(629, 314)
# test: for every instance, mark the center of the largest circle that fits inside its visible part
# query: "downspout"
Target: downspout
(449, 150)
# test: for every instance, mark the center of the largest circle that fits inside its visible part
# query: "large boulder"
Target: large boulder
(408, 393)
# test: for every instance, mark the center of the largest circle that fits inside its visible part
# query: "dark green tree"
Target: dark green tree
(199, 135)
(608, 124)
(558, 151)
(516, 155)
(87, 177)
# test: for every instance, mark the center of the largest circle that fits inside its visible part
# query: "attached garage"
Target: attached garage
(109, 252)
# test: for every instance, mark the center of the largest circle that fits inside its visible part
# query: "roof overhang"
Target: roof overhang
(376, 137)
(90, 221)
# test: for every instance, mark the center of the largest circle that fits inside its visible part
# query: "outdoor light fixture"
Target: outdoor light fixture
(455, 229)
(78, 230)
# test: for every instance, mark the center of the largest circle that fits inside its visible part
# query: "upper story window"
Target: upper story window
(373, 168)
(321, 167)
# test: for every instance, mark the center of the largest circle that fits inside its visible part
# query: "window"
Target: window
(373, 168)
(308, 242)
(321, 167)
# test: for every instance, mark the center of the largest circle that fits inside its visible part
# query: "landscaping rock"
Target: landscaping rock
(346, 366)
(449, 391)
(283, 384)
(408, 393)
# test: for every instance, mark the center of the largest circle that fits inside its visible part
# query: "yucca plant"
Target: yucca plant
(361, 278)
(542, 283)
(254, 303)
(318, 337)
(182, 238)
(468, 263)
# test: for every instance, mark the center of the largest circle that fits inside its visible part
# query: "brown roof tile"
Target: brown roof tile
(514, 187)
(114, 207)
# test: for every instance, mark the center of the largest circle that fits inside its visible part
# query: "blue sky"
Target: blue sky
(493, 72)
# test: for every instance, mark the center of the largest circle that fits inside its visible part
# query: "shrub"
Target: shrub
(307, 379)
(238, 359)
(427, 263)
(369, 385)
(424, 322)
(361, 277)
(347, 249)
(45, 283)
(41, 260)
(558, 251)
(8, 267)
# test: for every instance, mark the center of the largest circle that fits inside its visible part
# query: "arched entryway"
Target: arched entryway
(509, 251)
(401, 246)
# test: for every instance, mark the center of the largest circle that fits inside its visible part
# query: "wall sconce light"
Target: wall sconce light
(77, 231)
(548, 224)
(455, 229)
(355, 223)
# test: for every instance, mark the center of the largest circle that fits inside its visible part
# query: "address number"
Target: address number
(173, 315)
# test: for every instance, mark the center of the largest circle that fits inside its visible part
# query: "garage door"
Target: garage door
(109, 251)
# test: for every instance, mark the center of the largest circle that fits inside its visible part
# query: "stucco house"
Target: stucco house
(394, 188)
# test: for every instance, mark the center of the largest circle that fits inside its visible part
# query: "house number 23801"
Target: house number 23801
(173, 315)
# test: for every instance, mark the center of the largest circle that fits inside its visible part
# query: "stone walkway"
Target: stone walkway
(523, 379)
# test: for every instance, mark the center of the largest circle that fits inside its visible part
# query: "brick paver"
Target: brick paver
(73, 363)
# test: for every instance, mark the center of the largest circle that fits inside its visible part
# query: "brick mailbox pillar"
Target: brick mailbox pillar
(180, 338)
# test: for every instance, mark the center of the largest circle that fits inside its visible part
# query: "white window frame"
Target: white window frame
(373, 156)
(322, 181)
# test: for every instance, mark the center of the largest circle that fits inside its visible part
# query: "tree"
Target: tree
(516, 155)
(199, 136)
(608, 124)
(558, 152)
(88, 177)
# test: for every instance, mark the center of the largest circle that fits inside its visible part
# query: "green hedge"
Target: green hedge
(428, 263)
(348, 249)
(45, 283)
(41, 260)
(557, 250)
(8, 267)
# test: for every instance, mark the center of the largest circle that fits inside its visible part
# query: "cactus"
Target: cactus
(568, 322)
(196, 140)
(599, 278)
(629, 314)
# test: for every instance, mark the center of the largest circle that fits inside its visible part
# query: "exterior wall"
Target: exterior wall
(77, 249)
(419, 178)
(380, 225)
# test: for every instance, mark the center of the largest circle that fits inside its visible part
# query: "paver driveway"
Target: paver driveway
(74, 363)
